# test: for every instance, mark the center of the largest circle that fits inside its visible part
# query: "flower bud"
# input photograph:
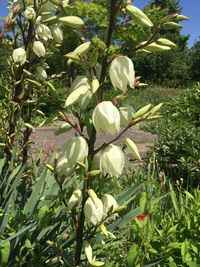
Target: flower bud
(126, 115)
(181, 17)
(43, 32)
(93, 213)
(153, 47)
(39, 49)
(83, 48)
(29, 13)
(122, 73)
(109, 203)
(94, 85)
(57, 34)
(139, 16)
(106, 118)
(41, 73)
(164, 41)
(72, 21)
(171, 25)
(133, 148)
(19, 55)
(112, 160)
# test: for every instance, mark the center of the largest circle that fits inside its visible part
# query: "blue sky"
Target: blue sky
(191, 8)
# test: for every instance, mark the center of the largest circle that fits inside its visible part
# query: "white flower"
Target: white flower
(122, 73)
(57, 33)
(76, 149)
(112, 160)
(41, 73)
(29, 13)
(19, 55)
(65, 168)
(109, 203)
(75, 197)
(126, 115)
(43, 32)
(93, 213)
(106, 118)
(82, 82)
(39, 49)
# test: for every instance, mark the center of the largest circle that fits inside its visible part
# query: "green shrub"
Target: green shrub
(178, 144)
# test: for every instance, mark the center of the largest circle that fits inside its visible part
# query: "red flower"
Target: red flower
(141, 217)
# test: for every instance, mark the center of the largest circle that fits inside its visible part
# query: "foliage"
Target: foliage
(168, 234)
(194, 59)
(178, 143)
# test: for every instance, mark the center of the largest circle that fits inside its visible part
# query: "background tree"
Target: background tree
(194, 59)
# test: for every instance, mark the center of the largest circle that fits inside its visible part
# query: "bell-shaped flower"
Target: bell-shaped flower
(19, 55)
(57, 33)
(65, 168)
(83, 99)
(75, 197)
(39, 49)
(126, 115)
(106, 118)
(112, 160)
(93, 211)
(122, 73)
(43, 32)
(76, 149)
(29, 13)
(41, 73)
(109, 203)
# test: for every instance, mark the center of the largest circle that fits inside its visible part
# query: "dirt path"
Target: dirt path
(45, 137)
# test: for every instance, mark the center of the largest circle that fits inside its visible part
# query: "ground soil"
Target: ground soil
(45, 138)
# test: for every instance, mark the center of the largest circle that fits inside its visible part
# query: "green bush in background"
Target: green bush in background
(178, 144)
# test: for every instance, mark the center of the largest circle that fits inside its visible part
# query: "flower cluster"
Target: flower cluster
(96, 209)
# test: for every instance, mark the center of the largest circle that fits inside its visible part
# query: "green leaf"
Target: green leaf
(35, 196)
(174, 199)
(143, 202)
(133, 255)
(5, 250)
(42, 213)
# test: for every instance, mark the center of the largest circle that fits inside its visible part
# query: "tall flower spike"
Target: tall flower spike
(112, 160)
(122, 73)
(106, 118)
